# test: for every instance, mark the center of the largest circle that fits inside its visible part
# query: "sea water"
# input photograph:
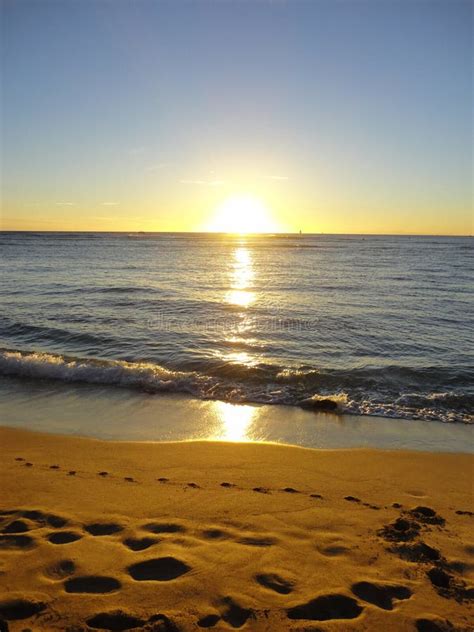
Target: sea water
(380, 325)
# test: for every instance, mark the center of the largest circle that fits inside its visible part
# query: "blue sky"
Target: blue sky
(341, 116)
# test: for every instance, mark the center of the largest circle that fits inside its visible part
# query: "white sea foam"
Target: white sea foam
(235, 387)
(118, 373)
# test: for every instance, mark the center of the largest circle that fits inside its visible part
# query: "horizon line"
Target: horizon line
(263, 234)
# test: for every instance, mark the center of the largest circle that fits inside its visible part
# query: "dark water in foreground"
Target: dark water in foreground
(382, 325)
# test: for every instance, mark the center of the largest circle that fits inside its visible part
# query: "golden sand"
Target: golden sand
(222, 536)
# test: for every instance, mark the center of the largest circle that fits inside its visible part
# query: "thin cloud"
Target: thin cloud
(65, 203)
(110, 203)
(136, 151)
(157, 166)
(209, 183)
(276, 177)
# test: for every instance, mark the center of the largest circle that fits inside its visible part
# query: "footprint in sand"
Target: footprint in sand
(426, 515)
(209, 621)
(381, 595)
(275, 582)
(162, 623)
(161, 569)
(15, 609)
(54, 467)
(290, 490)
(256, 541)
(261, 490)
(19, 458)
(435, 625)
(164, 527)
(228, 485)
(63, 537)
(121, 620)
(449, 586)
(103, 528)
(33, 514)
(333, 550)
(17, 526)
(57, 522)
(439, 577)
(233, 613)
(216, 534)
(95, 584)
(42, 518)
(162, 479)
(325, 608)
(401, 530)
(140, 544)
(418, 552)
(115, 620)
(61, 569)
(16, 542)
(458, 566)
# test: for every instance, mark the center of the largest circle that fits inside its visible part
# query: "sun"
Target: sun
(242, 214)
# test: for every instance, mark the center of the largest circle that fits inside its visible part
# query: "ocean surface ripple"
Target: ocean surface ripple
(380, 325)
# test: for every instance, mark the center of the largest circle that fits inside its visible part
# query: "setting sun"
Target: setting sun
(242, 214)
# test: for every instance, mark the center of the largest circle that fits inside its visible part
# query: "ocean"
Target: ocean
(379, 325)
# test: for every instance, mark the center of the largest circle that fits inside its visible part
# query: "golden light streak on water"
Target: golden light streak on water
(241, 277)
(236, 421)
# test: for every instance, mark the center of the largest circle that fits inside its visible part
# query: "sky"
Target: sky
(335, 116)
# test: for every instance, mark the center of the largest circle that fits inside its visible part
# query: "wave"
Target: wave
(387, 391)
(145, 376)
(50, 334)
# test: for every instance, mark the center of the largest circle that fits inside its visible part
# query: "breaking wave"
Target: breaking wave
(392, 391)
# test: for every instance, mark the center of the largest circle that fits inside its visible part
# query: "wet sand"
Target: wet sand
(74, 409)
(214, 535)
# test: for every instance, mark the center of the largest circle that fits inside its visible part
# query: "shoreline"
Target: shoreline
(236, 442)
(245, 535)
(105, 413)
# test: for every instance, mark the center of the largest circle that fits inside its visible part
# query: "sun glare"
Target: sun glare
(242, 215)
(236, 421)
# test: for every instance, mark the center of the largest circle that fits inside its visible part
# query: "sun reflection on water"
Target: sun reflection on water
(241, 357)
(239, 335)
(236, 421)
(241, 277)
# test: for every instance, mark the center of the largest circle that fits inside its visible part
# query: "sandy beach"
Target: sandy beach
(195, 535)
(236, 316)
